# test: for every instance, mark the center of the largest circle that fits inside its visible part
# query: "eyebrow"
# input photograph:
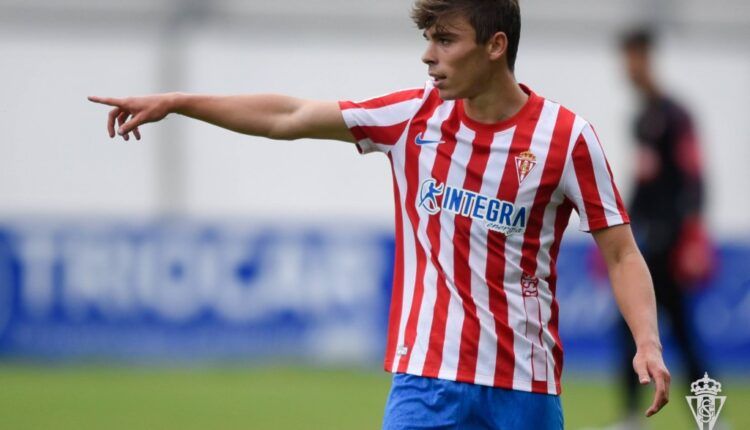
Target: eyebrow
(439, 34)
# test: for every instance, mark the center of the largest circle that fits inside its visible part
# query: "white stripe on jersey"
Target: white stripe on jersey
(383, 116)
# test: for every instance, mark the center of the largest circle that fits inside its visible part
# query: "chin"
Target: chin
(447, 95)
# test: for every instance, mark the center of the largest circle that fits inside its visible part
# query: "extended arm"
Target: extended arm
(267, 115)
(634, 292)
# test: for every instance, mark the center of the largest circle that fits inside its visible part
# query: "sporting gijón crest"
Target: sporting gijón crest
(525, 163)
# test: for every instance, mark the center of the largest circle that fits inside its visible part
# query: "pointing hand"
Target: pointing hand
(131, 112)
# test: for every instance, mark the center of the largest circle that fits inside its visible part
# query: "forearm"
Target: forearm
(634, 292)
(257, 114)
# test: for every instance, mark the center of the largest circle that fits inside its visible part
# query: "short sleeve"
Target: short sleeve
(377, 124)
(589, 184)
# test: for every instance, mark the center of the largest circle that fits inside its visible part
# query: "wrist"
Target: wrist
(648, 344)
(175, 102)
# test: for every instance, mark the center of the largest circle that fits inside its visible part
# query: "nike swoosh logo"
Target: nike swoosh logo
(419, 141)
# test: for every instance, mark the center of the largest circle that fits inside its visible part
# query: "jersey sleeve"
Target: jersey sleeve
(378, 123)
(589, 184)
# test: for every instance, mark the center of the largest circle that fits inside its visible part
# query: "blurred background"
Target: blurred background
(204, 279)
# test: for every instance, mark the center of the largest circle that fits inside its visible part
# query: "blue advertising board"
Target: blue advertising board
(187, 290)
(183, 290)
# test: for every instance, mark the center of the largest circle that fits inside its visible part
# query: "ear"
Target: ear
(497, 45)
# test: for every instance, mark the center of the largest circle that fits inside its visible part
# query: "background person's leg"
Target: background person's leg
(628, 378)
(671, 298)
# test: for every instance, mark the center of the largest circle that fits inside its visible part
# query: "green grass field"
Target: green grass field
(283, 398)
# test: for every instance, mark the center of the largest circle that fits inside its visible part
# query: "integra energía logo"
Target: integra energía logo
(495, 214)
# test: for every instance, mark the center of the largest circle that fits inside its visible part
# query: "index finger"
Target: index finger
(105, 100)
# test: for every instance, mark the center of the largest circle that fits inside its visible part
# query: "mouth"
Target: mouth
(438, 79)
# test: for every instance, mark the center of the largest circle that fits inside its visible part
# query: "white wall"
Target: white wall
(55, 157)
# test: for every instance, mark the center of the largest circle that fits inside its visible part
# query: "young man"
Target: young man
(486, 174)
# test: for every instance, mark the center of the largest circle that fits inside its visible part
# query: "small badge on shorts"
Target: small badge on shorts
(525, 163)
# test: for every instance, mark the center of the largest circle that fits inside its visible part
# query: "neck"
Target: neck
(499, 100)
(649, 89)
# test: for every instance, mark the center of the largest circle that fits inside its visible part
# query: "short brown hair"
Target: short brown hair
(641, 39)
(486, 16)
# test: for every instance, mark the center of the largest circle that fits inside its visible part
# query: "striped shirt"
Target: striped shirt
(480, 212)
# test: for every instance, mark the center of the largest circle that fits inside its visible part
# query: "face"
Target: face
(459, 67)
(637, 66)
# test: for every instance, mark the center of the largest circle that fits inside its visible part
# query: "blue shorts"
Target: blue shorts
(417, 402)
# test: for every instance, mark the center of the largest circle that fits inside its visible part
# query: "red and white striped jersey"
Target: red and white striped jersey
(480, 212)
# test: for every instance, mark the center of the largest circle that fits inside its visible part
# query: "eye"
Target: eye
(444, 41)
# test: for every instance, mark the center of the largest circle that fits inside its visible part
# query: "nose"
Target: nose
(428, 57)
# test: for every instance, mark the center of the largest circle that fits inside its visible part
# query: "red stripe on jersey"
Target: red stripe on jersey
(389, 99)
(562, 218)
(411, 168)
(495, 272)
(434, 356)
(469, 348)
(584, 169)
(386, 135)
(553, 169)
(397, 292)
(358, 132)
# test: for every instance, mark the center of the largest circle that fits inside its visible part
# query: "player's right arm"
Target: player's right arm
(267, 115)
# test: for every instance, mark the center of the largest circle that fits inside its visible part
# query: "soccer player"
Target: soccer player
(486, 173)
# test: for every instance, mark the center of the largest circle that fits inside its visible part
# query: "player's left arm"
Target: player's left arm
(634, 292)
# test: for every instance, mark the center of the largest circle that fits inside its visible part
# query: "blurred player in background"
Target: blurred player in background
(486, 174)
(666, 209)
